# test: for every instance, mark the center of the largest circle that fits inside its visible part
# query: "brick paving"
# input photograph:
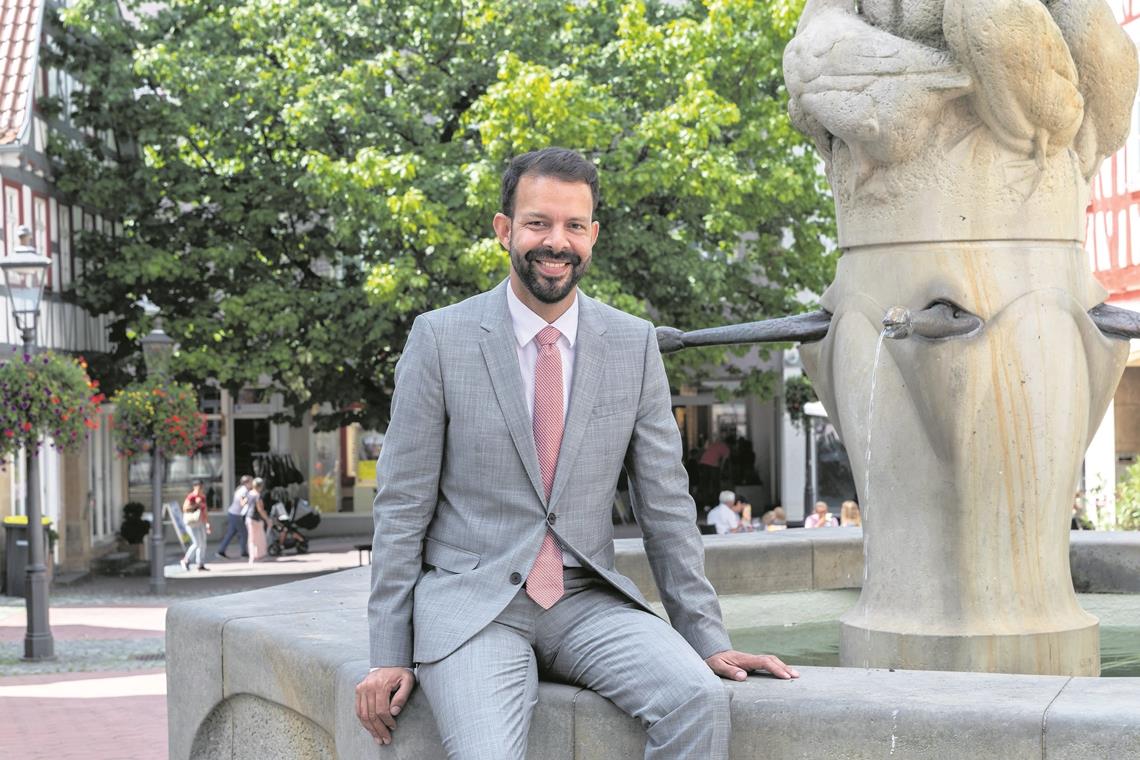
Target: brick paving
(109, 716)
(102, 698)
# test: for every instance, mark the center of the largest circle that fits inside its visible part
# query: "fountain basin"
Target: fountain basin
(274, 671)
(804, 626)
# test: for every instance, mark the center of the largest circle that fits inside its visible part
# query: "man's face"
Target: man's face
(550, 238)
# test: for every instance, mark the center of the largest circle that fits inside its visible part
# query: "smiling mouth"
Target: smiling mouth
(552, 268)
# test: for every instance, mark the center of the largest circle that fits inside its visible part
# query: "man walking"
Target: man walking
(235, 520)
(513, 416)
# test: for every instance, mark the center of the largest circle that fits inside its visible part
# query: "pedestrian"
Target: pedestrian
(197, 521)
(256, 520)
(235, 519)
(513, 414)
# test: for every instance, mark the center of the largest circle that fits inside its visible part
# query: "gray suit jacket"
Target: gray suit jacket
(460, 512)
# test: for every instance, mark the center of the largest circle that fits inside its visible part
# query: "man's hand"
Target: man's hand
(737, 665)
(379, 699)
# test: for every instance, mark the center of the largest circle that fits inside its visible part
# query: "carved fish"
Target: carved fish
(879, 93)
(1105, 59)
(1025, 79)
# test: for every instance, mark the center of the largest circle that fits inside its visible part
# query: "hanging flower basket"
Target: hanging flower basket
(155, 411)
(46, 395)
(798, 393)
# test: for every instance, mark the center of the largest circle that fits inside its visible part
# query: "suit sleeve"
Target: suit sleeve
(407, 474)
(659, 487)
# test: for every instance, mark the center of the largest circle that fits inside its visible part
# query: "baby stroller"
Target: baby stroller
(288, 519)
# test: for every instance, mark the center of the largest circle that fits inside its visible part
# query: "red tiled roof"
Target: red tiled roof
(19, 48)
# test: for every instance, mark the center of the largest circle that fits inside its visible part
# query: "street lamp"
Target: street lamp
(813, 413)
(25, 273)
(157, 348)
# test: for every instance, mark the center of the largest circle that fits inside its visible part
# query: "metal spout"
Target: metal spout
(939, 320)
(897, 322)
(801, 328)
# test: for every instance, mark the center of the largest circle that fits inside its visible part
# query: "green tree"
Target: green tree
(298, 180)
(1128, 499)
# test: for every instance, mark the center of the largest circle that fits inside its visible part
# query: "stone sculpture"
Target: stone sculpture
(959, 138)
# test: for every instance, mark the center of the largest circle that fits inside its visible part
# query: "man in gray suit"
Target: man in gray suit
(513, 415)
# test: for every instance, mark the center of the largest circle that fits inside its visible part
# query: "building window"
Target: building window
(105, 480)
(65, 259)
(40, 234)
(13, 215)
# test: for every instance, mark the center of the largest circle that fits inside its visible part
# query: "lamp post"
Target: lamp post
(25, 273)
(814, 414)
(157, 348)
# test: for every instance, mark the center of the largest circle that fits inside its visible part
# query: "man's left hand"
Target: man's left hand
(737, 665)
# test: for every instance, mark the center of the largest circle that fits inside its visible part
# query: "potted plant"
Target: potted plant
(798, 392)
(46, 396)
(154, 411)
(134, 528)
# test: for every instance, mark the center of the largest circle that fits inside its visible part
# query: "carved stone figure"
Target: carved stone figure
(959, 138)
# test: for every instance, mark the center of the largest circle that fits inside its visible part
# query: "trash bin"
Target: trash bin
(16, 553)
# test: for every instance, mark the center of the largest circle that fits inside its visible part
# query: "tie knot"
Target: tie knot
(548, 336)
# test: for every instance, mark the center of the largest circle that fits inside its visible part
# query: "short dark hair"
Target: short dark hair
(561, 163)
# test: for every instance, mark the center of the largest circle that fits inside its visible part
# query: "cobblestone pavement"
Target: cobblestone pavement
(104, 695)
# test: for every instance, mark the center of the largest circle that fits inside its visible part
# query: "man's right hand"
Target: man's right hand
(379, 699)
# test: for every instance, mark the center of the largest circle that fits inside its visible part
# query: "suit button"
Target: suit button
(516, 579)
(551, 518)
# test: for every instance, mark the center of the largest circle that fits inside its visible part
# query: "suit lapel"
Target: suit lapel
(501, 354)
(589, 360)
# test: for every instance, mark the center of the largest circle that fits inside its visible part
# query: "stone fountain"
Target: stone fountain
(960, 138)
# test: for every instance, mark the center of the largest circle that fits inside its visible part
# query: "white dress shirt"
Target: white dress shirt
(527, 325)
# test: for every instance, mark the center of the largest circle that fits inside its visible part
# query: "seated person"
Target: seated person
(723, 516)
(849, 515)
(776, 519)
(743, 509)
(820, 517)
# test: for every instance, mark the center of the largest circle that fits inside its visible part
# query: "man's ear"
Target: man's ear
(502, 225)
(594, 232)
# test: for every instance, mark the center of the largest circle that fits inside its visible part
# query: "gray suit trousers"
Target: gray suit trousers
(484, 693)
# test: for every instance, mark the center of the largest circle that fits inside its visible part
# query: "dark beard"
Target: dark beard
(541, 287)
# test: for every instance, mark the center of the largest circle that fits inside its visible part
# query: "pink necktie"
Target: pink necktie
(544, 584)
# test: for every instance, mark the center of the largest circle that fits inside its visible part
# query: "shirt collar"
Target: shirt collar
(527, 324)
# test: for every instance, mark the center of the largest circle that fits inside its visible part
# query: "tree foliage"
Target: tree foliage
(298, 180)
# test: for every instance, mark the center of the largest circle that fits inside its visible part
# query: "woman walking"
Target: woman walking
(198, 523)
(256, 519)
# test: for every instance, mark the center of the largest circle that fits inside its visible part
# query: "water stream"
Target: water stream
(866, 506)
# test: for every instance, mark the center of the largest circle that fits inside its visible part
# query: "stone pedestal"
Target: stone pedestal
(967, 455)
(866, 643)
